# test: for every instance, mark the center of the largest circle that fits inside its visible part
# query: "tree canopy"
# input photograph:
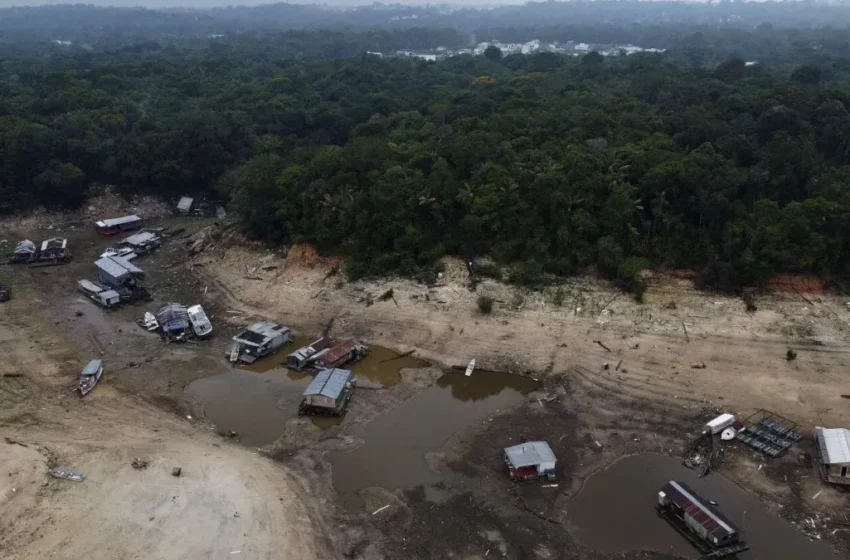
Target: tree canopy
(552, 164)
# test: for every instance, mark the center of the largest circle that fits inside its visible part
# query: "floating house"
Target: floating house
(117, 225)
(341, 353)
(700, 522)
(174, 320)
(258, 340)
(118, 272)
(25, 252)
(530, 460)
(302, 357)
(55, 249)
(832, 448)
(142, 242)
(328, 394)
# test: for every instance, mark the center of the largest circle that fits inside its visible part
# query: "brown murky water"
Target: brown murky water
(383, 366)
(615, 512)
(256, 400)
(393, 455)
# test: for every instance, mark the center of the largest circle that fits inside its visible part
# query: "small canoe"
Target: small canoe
(469, 368)
(90, 376)
(67, 474)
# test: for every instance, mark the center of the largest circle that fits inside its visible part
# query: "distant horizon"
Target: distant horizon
(208, 4)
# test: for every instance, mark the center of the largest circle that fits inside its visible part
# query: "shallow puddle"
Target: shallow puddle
(615, 512)
(383, 366)
(255, 406)
(393, 455)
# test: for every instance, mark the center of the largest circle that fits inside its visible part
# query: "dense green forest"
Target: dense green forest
(549, 163)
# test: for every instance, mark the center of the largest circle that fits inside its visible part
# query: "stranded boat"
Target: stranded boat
(200, 323)
(469, 368)
(90, 376)
(699, 521)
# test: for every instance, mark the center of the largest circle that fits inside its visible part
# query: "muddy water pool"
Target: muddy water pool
(396, 442)
(257, 400)
(614, 512)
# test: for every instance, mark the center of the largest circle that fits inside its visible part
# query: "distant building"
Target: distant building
(185, 205)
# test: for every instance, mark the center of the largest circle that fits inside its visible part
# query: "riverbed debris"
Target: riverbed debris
(379, 510)
(139, 464)
(67, 474)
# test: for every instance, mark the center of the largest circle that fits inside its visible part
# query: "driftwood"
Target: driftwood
(618, 365)
(599, 342)
(13, 375)
(688, 338)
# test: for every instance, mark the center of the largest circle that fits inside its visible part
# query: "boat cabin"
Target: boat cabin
(258, 340)
(90, 376)
(328, 394)
(530, 460)
(55, 249)
(173, 318)
(341, 353)
(113, 226)
(302, 357)
(832, 449)
(25, 252)
(699, 521)
(201, 324)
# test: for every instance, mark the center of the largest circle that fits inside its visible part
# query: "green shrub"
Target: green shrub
(485, 304)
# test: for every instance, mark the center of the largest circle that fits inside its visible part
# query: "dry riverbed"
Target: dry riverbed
(599, 377)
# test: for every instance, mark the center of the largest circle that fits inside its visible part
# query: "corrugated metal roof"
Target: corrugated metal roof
(338, 351)
(92, 367)
(141, 238)
(329, 383)
(834, 445)
(112, 222)
(25, 246)
(117, 266)
(260, 333)
(697, 507)
(530, 453)
(173, 317)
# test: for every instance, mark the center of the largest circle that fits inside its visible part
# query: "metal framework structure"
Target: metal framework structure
(769, 433)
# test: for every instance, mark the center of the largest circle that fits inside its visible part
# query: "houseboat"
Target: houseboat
(699, 521)
(341, 353)
(89, 377)
(530, 460)
(173, 318)
(259, 340)
(328, 394)
(305, 355)
(113, 226)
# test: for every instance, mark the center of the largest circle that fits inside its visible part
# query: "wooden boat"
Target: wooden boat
(90, 376)
(469, 368)
(149, 322)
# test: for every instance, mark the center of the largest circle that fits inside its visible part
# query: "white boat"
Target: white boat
(149, 322)
(199, 321)
(125, 252)
(90, 376)
(469, 368)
